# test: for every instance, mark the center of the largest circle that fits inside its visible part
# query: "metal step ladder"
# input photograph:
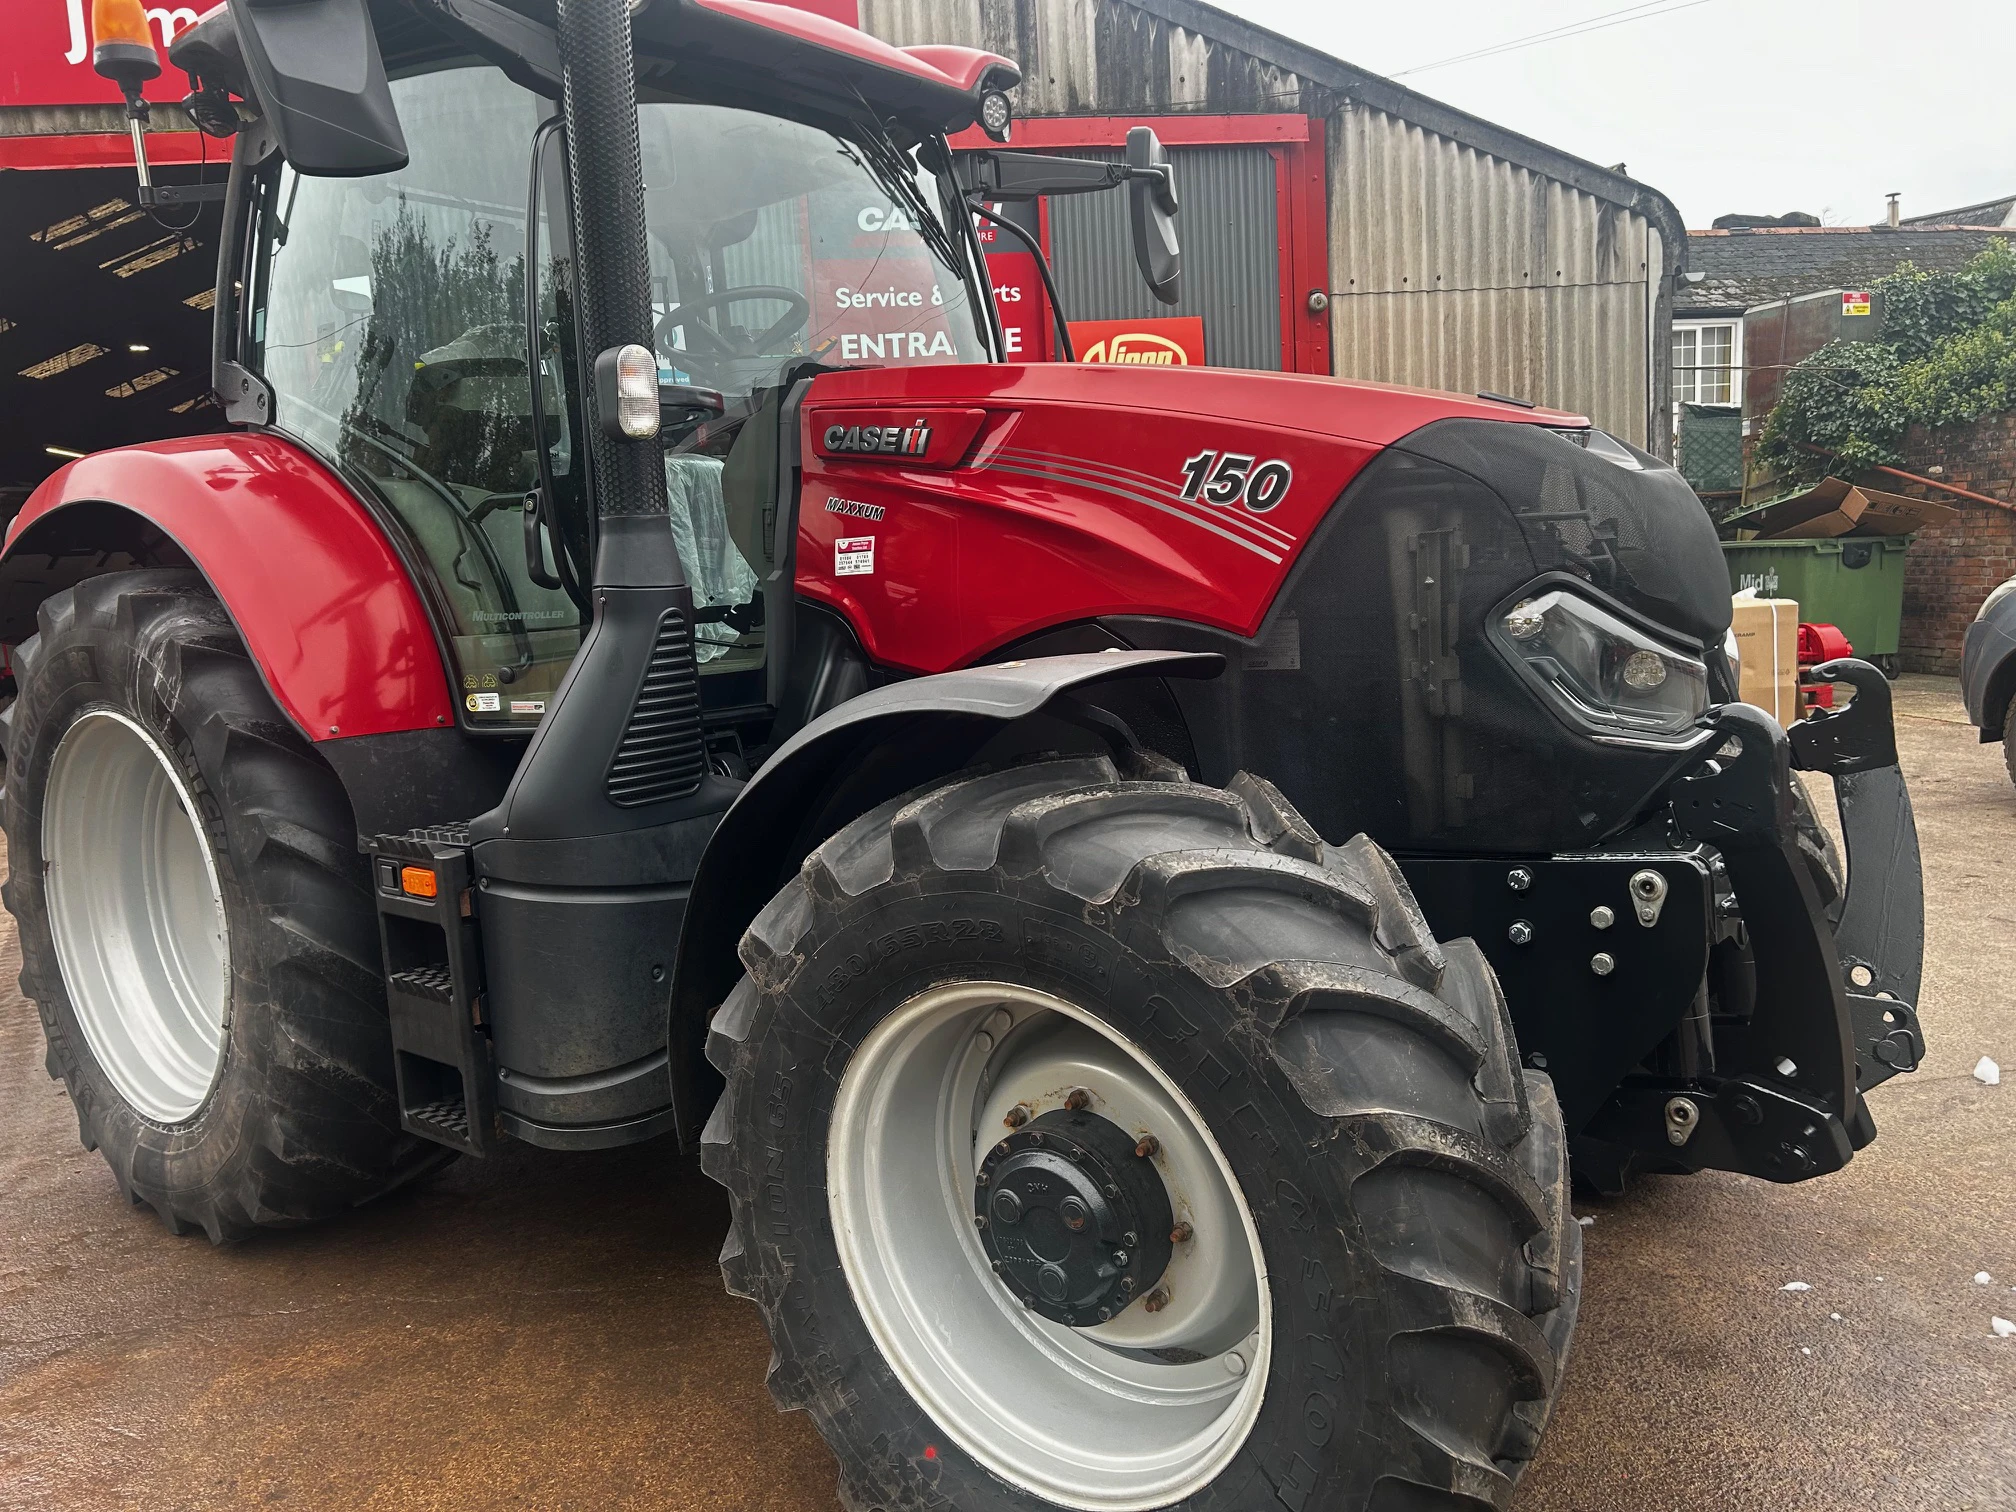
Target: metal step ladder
(434, 986)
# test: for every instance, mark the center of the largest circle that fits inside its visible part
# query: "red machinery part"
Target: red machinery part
(1051, 493)
(1817, 644)
(1822, 643)
(324, 603)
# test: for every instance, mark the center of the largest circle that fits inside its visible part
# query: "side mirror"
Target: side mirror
(318, 75)
(1151, 192)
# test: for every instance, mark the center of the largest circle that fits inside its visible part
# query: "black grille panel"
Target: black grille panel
(663, 753)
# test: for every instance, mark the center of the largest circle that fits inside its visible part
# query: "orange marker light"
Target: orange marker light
(419, 881)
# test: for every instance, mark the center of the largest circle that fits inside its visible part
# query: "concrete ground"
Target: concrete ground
(549, 1331)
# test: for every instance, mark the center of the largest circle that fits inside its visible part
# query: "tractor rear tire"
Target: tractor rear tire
(1394, 1197)
(196, 922)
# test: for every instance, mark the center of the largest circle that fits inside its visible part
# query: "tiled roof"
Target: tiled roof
(1994, 212)
(1746, 268)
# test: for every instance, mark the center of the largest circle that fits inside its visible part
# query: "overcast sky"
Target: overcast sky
(1760, 106)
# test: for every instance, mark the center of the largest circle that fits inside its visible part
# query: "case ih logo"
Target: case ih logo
(1139, 348)
(912, 441)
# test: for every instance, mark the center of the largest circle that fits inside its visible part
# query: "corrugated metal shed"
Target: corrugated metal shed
(1462, 255)
(1455, 269)
(1231, 262)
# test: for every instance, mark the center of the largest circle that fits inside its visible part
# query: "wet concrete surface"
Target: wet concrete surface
(549, 1331)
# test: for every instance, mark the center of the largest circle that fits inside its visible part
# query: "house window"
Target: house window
(1705, 367)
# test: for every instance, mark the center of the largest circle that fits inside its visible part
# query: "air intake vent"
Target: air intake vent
(663, 754)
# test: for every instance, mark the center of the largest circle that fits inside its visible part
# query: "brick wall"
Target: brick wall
(1952, 565)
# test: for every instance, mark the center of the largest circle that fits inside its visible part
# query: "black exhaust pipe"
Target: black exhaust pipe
(584, 869)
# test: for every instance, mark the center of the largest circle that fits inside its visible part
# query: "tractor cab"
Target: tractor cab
(395, 317)
(411, 310)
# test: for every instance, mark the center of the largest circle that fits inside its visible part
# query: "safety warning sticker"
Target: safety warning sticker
(482, 703)
(854, 556)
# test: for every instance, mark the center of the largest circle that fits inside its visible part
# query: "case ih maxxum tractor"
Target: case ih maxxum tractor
(638, 663)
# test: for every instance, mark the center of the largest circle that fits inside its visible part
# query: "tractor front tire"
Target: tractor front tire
(196, 922)
(1160, 1000)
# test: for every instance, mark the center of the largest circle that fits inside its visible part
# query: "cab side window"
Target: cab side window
(392, 330)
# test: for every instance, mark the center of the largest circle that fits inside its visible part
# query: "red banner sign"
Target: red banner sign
(48, 57)
(48, 53)
(1166, 341)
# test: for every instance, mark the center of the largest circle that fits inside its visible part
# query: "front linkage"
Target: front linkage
(1834, 1011)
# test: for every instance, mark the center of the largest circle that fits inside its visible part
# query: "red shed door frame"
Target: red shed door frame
(1301, 202)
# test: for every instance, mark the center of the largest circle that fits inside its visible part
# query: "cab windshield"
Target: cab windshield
(774, 243)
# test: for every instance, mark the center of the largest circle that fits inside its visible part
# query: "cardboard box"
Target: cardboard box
(1836, 507)
(1767, 654)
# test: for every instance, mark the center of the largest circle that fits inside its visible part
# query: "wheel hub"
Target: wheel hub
(1074, 1218)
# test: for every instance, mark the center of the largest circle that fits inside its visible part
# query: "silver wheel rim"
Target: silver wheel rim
(1132, 1414)
(137, 915)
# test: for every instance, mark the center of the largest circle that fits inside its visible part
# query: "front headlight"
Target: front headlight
(1605, 675)
(1995, 596)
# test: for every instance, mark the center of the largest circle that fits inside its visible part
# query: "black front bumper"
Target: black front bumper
(1833, 1012)
(1650, 1061)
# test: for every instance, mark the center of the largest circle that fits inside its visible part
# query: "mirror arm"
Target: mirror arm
(1030, 175)
(1043, 268)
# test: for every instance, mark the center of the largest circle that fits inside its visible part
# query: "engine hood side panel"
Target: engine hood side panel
(948, 511)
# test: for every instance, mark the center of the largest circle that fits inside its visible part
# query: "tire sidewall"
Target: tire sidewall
(82, 671)
(863, 957)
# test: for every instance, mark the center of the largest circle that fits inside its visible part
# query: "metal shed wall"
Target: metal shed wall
(1504, 266)
(1454, 269)
(1232, 272)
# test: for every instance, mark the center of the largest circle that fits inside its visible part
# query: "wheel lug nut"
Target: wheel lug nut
(979, 1220)
(1181, 1234)
(1121, 1257)
(1078, 1099)
(1149, 1146)
(1017, 1116)
(1157, 1300)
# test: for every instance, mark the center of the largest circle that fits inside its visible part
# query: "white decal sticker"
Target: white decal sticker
(528, 706)
(854, 556)
(482, 703)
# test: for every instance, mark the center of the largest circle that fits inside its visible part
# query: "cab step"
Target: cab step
(434, 986)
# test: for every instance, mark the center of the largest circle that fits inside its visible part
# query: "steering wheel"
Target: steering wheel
(705, 341)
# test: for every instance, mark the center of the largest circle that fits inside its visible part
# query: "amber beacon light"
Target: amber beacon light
(123, 51)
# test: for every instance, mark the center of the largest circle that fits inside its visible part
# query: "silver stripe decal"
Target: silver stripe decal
(1272, 534)
(1107, 488)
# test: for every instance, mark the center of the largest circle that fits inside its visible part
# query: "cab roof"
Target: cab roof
(742, 52)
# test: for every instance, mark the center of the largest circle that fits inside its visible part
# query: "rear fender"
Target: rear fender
(862, 753)
(327, 608)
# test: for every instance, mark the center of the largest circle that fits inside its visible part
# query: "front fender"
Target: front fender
(327, 609)
(900, 736)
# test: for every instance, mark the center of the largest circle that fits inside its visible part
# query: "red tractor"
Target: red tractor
(638, 663)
